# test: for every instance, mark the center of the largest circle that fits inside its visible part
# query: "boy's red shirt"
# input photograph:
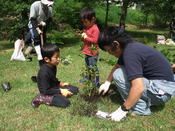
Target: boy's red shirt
(90, 46)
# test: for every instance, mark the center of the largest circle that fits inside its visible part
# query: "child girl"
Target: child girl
(90, 38)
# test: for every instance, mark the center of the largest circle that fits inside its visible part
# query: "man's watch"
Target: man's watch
(124, 108)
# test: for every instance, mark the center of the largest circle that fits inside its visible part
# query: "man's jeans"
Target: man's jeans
(156, 92)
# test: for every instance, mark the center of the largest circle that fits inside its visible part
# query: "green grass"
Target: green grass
(16, 112)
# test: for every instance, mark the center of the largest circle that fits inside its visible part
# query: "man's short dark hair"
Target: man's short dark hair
(87, 13)
(48, 50)
(111, 34)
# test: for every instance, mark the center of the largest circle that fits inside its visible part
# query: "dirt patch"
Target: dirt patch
(4, 51)
(131, 27)
(91, 99)
(83, 108)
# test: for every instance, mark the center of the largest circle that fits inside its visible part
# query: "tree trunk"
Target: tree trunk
(107, 10)
(146, 19)
(123, 13)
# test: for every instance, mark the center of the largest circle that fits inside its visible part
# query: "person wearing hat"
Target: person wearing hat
(40, 16)
(142, 75)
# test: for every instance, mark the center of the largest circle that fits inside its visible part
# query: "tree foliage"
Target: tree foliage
(67, 11)
(14, 13)
(162, 10)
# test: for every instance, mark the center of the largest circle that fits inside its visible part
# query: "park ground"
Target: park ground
(16, 112)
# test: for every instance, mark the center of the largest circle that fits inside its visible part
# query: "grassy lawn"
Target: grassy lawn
(16, 112)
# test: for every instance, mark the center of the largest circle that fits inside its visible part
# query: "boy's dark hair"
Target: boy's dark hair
(113, 33)
(87, 13)
(48, 50)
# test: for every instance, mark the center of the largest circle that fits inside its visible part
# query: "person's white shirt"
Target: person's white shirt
(39, 13)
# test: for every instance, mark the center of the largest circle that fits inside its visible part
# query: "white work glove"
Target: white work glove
(39, 31)
(118, 115)
(42, 23)
(83, 35)
(104, 87)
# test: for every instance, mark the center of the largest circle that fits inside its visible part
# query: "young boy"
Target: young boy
(52, 91)
(90, 39)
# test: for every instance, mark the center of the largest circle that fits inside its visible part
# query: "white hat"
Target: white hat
(47, 2)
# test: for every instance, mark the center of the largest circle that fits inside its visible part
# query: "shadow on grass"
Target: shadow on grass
(157, 108)
(114, 95)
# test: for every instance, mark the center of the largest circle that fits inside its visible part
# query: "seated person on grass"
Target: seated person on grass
(143, 76)
(52, 91)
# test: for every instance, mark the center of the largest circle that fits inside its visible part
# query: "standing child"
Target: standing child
(90, 39)
(52, 91)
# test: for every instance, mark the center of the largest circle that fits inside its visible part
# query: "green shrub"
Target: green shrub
(135, 17)
(100, 15)
(89, 89)
(68, 12)
(59, 37)
(169, 54)
(14, 18)
(114, 14)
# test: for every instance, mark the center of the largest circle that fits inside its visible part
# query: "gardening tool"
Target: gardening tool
(6, 86)
(42, 41)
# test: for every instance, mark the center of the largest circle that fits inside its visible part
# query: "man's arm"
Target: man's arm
(137, 88)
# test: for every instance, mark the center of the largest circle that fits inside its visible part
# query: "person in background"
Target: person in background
(40, 17)
(143, 76)
(90, 38)
(52, 91)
